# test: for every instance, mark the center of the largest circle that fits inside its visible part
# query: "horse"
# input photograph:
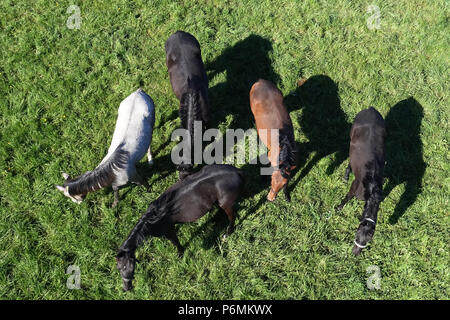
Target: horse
(185, 201)
(367, 160)
(266, 103)
(190, 84)
(131, 140)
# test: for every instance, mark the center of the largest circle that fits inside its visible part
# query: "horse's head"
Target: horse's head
(126, 263)
(280, 179)
(77, 198)
(364, 234)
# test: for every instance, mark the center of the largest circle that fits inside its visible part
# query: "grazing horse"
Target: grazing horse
(367, 164)
(185, 201)
(131, 140)
(266, 102)
(190, 85)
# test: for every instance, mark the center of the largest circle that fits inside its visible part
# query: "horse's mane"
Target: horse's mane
(102, 176)
(287, 157)
(151, 220)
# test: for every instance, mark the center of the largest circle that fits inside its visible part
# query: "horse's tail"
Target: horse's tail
(102, 176)
(190, 112)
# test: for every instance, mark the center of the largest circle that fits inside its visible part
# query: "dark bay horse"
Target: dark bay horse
(367, 164)
(185, 201)
(266, 102)
(190, 85)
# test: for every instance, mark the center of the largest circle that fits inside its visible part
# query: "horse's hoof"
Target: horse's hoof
(356, 250)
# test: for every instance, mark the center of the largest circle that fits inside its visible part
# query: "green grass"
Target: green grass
(59, 94)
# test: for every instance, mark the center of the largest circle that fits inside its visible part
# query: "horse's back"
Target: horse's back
(198, 192)
(183, 54)
(368, 128)
(182, 40)
(367, 146)
(369, 117)
(134, 125)
(184, 61)
(266, 103)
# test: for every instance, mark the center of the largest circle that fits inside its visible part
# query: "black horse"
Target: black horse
(190, 85)
(185, 201)
(367, 154)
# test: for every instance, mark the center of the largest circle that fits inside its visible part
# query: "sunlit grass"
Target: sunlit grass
(59, 94)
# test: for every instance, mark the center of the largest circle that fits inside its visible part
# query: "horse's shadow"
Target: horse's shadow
(404, 156)
(244, 63)
(322, 121)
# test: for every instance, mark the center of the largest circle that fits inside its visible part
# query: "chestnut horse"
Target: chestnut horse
(190, 84)
(266, 102)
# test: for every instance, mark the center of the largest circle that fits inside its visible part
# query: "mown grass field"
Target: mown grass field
(59, 93)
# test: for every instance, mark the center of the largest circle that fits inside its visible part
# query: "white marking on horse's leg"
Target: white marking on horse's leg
(149, 156)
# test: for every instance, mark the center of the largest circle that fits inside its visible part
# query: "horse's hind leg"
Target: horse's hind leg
(347, 172)
(286, 191)
(171, 234)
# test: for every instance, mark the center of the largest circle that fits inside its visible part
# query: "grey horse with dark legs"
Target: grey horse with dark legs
(131, 141)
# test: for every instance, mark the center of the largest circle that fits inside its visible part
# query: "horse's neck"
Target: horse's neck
(131, 243)
(138, 235)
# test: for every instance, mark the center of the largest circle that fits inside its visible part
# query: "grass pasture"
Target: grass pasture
(59, 93)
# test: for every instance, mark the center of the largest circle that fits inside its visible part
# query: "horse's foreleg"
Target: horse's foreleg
(349, 196)
(149, 155)
(116, 196)
(286, 191)
(172, 236)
